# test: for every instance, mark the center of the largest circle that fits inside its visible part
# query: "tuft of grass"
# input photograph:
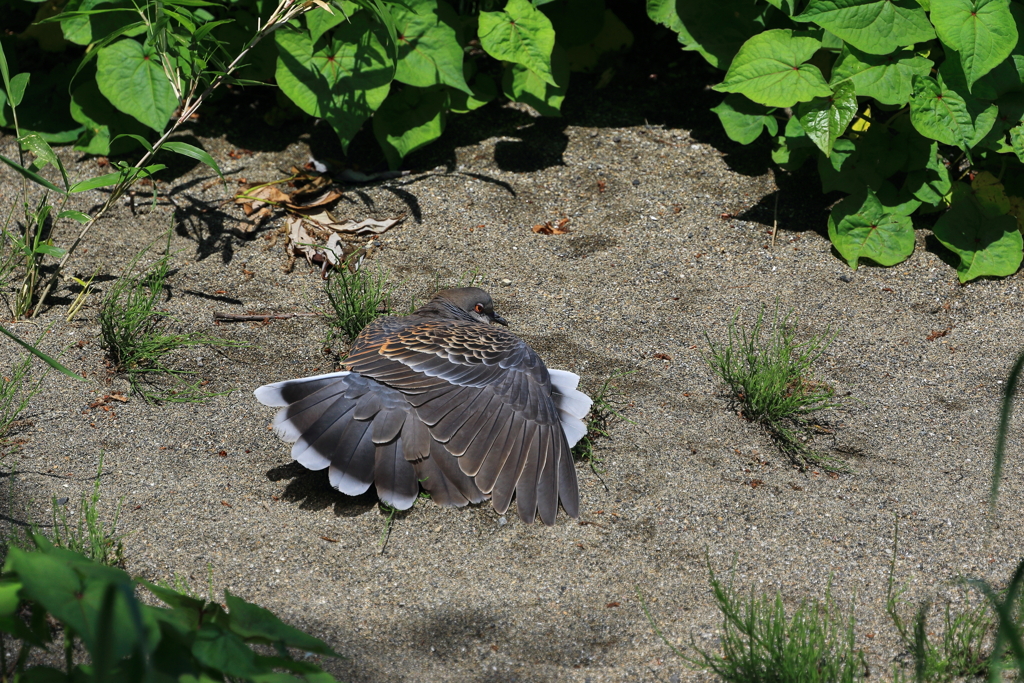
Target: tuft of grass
(16, 390)
(136, 334)
(357, 296)
(89, 535)
(604, 411)
(761, 643)
(765, 369)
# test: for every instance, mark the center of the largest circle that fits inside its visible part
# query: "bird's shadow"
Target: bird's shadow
(312, 490)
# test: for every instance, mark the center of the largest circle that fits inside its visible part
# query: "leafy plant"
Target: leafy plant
(767, 377)
(761, 643)
(357, 296)
(603, 412)
(135, 333)
(97, 608)
(909, 108)
(89, 536)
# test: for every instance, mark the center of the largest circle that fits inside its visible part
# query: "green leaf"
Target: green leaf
(42, 356)
(744, 120)
(17, 88)
(484, 90)
(75, 215)
(252, 621)
(408, 120)
(127, 74)
(44, 154)
(34, 177)
(860, 227)
(1017, 141)
(343, 80)
(824, 119)
(986, 245)
(877, 27)
(942, 114)
(928, 178)
(428, 49)
(114, 178)
(193, 152)
(520, 84)
(887, 78)
(982, 31)
(771, 69)
(90, 108)
(83, 23)
(72, 589)
(793, 148)
(49, 250)
(716, 30)
(225, 652)
(520, 34)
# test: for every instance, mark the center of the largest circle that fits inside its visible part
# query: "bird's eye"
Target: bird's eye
(479, 308)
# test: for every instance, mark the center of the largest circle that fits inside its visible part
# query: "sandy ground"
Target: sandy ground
(668, 238)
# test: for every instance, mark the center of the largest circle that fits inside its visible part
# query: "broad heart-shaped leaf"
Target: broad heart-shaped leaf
(72, 589)
(520, 34)
(771, 69)
(410, 119)
(716, 30)
(887, 78)
(252, 621)
(940, 113)
(522, 85)
(343, 80)
(982, 31)
(825, 118)
(987, 246)
(128, 75)
(744, 120)
(860, 227)
(101, 120)
(428, 49)
(877, 27)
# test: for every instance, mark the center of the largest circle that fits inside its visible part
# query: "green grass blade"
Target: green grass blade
(42, 356)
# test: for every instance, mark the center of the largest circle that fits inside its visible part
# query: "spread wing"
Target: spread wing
(488, 398)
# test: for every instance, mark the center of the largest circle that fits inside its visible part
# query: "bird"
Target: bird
(444, 399)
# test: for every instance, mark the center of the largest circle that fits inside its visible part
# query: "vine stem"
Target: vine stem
(286, 11)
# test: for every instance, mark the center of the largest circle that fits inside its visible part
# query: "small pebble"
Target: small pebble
(506, 282)
(502, 521)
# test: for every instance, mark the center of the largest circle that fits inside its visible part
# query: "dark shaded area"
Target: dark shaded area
(313, 491)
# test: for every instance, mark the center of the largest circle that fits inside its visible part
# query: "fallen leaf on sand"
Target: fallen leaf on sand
(548, 228)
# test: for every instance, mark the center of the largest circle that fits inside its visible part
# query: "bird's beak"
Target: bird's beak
(498, 319)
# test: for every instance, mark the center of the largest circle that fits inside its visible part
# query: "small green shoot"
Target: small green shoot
(389, 513)
(606, 407)
(135, 334)
(766, 372)
(761, 643)
(89, 536)
(357, 296)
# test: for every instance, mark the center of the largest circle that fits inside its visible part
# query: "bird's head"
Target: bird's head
(472, 302)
